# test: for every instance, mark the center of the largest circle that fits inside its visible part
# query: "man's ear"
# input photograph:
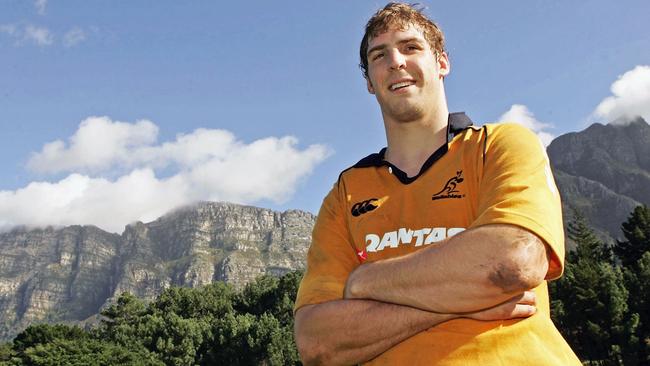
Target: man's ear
(371, 90)
(443, 64)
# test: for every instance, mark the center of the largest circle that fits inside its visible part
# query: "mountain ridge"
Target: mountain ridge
(69, 273)
(603, 172)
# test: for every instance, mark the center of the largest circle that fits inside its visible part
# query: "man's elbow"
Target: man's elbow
(524, 266)
(311, 351)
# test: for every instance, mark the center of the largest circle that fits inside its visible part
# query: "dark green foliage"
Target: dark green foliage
(87, 352)
(588, 246)
(634, 254)
(637, 280)
(45, 333)
(599, 305)
(594, 308)
(211, 325)
(263, 338)
(637, 234)
(61, 344)
(270, 294)
(6, 353)
(209, 301)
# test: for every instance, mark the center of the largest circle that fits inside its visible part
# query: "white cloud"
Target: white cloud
(40, 6)
(519, 113)
(206, 164)
(631, 96)
(98, 144)
(42, 36)
(39, 35)
(73, 37)
(79, 199)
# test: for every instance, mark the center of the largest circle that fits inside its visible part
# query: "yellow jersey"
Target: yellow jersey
(494, 174)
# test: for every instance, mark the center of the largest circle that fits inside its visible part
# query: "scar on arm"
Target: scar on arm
(507, 278)
(521, 271)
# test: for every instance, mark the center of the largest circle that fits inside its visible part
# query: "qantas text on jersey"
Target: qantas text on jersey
(424, 236)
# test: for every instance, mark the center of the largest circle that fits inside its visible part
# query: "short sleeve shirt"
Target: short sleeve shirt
(495, 174)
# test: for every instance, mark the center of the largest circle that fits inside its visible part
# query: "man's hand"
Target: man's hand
(520, 306)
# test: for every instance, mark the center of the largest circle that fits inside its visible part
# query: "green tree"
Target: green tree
(210, 301)
(270, 294)
(634, 254)
(588, 246)
(39, 334)
(246, 339)
(637, 237)
(209, 325)
(175, 339)
(180, 324)
(87, 352)
(120, 319)
(637, 280)
(60, 344)
(590, 300)
(275, 341)
(6, 353)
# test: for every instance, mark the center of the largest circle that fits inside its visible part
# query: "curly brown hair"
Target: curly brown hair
(400, 16)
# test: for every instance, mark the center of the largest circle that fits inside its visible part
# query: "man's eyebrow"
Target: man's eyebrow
(412, 39)
(376, 48)
(400, 42)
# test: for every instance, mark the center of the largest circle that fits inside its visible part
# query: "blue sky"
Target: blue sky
(139, 94)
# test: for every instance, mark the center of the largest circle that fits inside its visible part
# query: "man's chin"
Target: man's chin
(406, 115)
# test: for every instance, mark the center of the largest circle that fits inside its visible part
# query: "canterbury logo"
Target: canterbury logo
(450, 191)
(362, 207)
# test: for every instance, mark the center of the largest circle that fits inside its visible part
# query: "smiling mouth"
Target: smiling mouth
(401, 85)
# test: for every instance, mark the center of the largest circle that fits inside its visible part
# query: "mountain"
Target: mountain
(604, 172)
(68, 274)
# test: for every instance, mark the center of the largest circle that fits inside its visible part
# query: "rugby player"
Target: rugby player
(435, 250)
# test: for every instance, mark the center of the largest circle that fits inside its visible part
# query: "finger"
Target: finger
(522, 311)
(508, 310)
(528, 298)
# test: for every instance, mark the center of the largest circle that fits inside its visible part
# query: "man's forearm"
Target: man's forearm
(476, 269)
(346, 332)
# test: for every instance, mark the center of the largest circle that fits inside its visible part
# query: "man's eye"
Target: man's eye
(412, 47)
(377, 56)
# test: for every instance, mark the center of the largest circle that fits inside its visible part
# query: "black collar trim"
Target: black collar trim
(456, 123)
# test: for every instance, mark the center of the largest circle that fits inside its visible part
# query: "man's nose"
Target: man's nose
(397, 60)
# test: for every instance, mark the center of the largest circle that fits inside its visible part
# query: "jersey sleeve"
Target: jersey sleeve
(331, 256)
(517, 187)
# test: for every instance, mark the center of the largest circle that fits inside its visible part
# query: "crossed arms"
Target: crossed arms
(483, 273)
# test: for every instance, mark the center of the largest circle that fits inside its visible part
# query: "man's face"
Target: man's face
(405, 74)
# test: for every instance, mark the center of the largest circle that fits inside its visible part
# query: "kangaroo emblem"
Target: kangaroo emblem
(450, 187)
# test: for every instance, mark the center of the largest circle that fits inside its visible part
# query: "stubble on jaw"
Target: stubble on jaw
(402, 112)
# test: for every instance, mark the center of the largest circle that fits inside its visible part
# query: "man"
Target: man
(436, 249)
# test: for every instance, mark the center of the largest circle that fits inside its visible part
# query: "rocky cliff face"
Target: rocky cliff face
(604, 208)
(54, 274)
(68, 274)
(604, 172)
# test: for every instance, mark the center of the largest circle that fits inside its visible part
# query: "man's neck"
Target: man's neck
(410, 144)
